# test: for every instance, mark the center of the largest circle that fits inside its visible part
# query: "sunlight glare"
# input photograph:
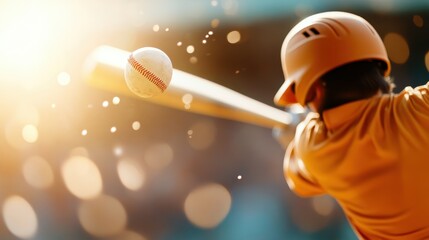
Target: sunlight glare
(25, 38)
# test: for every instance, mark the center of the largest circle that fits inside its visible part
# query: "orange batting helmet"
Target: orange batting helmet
(320, 43)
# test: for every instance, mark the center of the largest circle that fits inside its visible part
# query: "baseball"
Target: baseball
(148, 72)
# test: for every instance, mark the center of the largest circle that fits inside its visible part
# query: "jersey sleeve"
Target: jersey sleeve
(424, 94)
(297, 176)
(416, 98)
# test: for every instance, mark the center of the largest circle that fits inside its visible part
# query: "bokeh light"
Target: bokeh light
(116, 100)
(84, 132)
(193, 60)
(233, 37)
(190, 49)
(303, 10)
(187, 100)
(102, 216)
(230, 7)
(136, 125)
(382, 6)
(118, 151)
(131, 174)
(427, 61)
(20, 217)
(323, 205)
(418, 21)
(397, 48)
(206, 206)
(215, 23)
(20, 129)
(158, 156)
(30, 133)
(82, 177)
(38, 172)
(128, 235)
(63, 78)
(79, 151)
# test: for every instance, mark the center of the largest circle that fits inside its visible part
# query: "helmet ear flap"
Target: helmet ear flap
(312, 92)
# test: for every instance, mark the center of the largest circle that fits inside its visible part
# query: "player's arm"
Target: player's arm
(297, 177)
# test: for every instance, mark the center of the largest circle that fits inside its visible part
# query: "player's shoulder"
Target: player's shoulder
(414, 96)
(409, 107)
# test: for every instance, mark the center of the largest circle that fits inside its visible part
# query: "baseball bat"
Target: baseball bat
(104, 68)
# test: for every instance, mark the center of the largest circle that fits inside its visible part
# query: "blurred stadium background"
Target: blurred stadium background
(79, 163)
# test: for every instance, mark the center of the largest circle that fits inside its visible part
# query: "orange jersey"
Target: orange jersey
(372, 156)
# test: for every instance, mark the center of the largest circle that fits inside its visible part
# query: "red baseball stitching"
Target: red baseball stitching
(146, 73)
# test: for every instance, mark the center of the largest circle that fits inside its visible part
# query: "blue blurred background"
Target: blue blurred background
(80, 163)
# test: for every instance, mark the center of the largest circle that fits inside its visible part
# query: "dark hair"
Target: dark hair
(354, 81)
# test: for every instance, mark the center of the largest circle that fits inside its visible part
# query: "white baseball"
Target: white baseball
(148, 72)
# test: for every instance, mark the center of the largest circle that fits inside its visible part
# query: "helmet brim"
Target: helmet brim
(285, 95)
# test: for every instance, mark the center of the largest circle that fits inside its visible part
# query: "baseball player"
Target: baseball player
(362, 144)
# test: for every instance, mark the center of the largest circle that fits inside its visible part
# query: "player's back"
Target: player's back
(373, 157)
